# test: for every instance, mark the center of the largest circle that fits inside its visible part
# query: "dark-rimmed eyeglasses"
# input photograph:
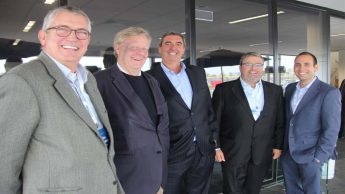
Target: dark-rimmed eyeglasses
(253, 64)
(64, 31)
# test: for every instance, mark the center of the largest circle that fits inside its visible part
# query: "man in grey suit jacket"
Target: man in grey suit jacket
(55, 134)
(312, 126)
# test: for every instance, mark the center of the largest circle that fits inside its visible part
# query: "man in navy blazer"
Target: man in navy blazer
(312, 126)
(138, 115)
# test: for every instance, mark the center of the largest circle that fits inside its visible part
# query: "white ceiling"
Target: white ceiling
(157, 16)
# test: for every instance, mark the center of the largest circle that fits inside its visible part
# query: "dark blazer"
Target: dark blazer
(184, 122)
(141, 147)
(342, 92)
(241, 137)
(312, 131)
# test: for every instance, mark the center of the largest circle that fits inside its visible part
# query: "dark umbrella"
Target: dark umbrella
(23, 49)
(221, 57)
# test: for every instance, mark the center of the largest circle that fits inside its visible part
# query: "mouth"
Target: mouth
(70, 47)
(172, 53)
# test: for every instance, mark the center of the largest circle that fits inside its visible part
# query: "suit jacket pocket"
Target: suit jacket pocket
(60, 189)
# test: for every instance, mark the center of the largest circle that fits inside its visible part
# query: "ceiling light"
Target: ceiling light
(15, 43)
(264, 43)
(335, 35)
(253, 18)
(29, 26)
(49, 2)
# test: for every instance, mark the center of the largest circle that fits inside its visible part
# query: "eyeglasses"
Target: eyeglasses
(253, 65)
(64, 31)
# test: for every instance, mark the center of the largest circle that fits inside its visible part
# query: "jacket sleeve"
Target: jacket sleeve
(217, 103)
(19, 116)
(330, 125)
(280, 121)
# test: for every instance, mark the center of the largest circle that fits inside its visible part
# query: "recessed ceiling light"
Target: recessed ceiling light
(335, 35)
(16, 42)
(253, 18)
(264, 43)
(49, 2)
(29, 26)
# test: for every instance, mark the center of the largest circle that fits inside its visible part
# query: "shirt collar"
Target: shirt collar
(124, 71)
(81, 70)
(167, 70)
(246, 85)
(307, 86)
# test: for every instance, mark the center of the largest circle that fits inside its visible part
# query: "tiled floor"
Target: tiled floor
(332, 186)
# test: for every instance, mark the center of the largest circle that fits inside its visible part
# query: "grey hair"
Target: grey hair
(122, 35)
(48, 19)
(249, 54)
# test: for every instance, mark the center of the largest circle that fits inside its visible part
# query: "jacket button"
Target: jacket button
(114, 182)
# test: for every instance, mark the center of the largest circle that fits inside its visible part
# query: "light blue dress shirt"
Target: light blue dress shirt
(181, 83)
(298, 94)
(255, 97)
(77, 81)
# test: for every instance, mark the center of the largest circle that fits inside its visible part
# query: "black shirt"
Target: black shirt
(143, 90)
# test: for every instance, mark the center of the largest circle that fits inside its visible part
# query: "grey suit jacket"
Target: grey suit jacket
(312, 130)
(48, 141)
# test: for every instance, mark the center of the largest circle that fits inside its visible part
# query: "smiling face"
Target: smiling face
(132, 53)
(251, 74)
(305, 69)
(66, 50)
(171, 50)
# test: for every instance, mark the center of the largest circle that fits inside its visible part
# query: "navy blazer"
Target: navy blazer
(312, 131)
(141, 147)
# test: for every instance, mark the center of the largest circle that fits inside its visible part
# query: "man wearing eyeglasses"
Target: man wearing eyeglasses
(250, 115)
(55, 133)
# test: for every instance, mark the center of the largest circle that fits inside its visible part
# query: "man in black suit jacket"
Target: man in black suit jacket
(138, 115)
(191, 119)
(251, 122)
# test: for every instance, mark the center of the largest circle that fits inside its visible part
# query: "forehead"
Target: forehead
(137, 39)
(174, 38)
(253, 59)
(70, 19)
(304, 58)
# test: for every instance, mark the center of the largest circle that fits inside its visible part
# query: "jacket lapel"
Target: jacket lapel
(239, 93)
(98, 104)
(168, 87)
(312, 91)
(64, 89)
(194, 83)
(123, 86)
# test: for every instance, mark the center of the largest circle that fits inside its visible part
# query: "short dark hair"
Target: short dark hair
(172, 34)
(310, 54)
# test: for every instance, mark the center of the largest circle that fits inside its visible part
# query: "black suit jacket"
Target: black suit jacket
(241, 137)
(184, 123)
(141, 147)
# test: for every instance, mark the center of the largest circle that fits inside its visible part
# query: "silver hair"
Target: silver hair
(48, 19)
(122, 35)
